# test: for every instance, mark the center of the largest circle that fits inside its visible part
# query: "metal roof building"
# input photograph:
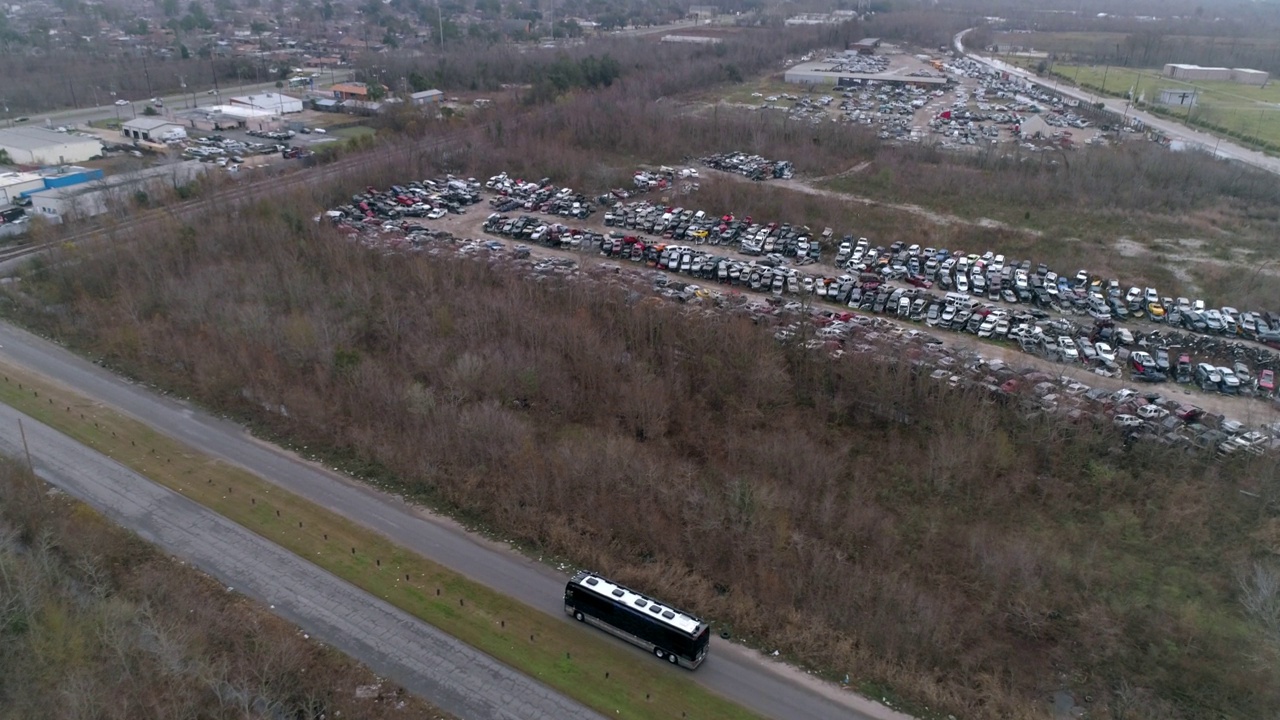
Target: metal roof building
(269, 101)
(114, 191)
(150, 128)
(426, 97)
(832, 73)
(38, 146)
(13, 184)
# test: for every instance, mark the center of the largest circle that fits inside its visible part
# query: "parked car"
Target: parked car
(1267, 382)
(1127, 421)
(1207, 376)
(1142, 362)
(1229, 383)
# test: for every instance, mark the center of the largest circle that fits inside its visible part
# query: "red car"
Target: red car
(1189, 413)
(1267, 382)
(919, 281)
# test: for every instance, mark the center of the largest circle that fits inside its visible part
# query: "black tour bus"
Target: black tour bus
(668, 633)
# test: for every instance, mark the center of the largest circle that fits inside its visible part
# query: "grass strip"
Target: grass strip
(572, 659)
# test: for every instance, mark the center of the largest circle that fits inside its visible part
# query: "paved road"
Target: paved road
(1208, 142)
(198, 97)
(769, 688)
(394, 644)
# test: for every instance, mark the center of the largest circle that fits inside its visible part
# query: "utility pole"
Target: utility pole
(147, 74)
(22, 431)
(440, 22)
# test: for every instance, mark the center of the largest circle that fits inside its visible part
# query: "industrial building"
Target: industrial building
(692, 39)
(835, 73)
(95, 198)
(1248, 76)
(1179, 97)
(1193, 73)
(153, 129)
(350, 91)
(703, 13)
(272, 102)
(228, 117)
(13, 184)
(427, 97)
(867, 46)
(38, 146)
(834, 18)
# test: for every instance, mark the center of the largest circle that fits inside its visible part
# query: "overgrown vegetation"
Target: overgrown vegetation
(971, 560)
(95, 623)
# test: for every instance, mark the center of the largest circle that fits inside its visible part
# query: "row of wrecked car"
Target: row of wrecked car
(838, 331)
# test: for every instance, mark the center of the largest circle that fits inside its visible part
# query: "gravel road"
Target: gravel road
(428, 662)
(769, 688)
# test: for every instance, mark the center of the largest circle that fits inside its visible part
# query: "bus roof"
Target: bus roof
(657, 611)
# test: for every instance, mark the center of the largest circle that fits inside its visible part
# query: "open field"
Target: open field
(466, 610)
(744, 93)
(1249, 111)
(356, 131)
(1102, 44)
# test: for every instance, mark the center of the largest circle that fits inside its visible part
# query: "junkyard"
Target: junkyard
(1199, 370)
(955, 102)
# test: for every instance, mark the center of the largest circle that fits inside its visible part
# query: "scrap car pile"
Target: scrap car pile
(750, 166)
(721, 255)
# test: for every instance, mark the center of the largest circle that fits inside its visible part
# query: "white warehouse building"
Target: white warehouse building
(113, 192)
(38, 146)
(272, 102)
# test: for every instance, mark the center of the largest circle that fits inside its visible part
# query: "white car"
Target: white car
(1230, 382)
(1068, 348)
(122, 103)
(1127, 421)
(1152, 412)
(436, 214)
(1076, 388)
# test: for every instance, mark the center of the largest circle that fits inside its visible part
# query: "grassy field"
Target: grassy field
(1061, 42)
(1253, 112)
(742, 93)
(1094, 43)
(574, 660)
(354, 132)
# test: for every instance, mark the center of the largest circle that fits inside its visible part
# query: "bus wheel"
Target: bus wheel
(671, 658)
(578, 616)
(658, 651)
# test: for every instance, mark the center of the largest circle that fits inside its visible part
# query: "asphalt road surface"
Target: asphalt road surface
(769, 688)
(394, 644)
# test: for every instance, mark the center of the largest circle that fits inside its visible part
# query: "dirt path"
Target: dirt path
(807, 186)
